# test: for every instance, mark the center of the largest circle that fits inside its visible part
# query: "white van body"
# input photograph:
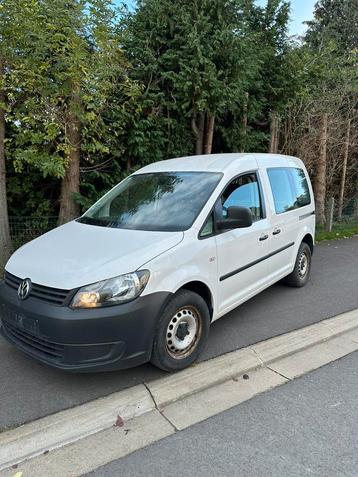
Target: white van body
(209, 259)
(231, 266)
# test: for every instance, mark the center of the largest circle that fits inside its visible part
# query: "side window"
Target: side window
(208, 228)
(244, 192)
(301, 187)
(289, 188)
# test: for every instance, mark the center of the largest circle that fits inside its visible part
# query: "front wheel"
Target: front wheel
(182, 332)
(301, 273)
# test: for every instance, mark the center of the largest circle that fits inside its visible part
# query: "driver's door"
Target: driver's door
(240, 252)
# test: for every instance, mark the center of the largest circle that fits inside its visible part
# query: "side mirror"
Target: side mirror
(237, 218)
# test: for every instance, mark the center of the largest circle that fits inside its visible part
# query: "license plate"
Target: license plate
(23, 322)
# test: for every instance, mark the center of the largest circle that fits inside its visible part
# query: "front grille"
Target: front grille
(35, 344)
(56, 296)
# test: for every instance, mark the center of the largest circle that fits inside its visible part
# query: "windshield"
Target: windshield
(161, 201)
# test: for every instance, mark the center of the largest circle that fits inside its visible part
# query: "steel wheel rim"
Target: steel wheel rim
(183, 332)
(303, 265)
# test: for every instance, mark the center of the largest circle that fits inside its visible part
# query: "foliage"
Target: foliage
(71, 49)
(334, 20)
(139, 82)
(329, 84)
(196, 58)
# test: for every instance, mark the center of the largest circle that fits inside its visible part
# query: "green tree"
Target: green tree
(193, 58)
(270, 83)
(62, 122)
(18, 68)
(319, 120)
(5, 240)
(334, 20)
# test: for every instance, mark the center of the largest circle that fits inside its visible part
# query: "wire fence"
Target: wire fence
(25, 229)
(349, 211)
(339, 217)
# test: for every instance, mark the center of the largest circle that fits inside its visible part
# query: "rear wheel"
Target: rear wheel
(182, 332)
(301, 273)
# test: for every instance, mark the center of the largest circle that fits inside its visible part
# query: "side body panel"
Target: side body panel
(191, 260)
(288, 228)
(239, 275)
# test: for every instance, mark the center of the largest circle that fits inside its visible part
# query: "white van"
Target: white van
(142, 274)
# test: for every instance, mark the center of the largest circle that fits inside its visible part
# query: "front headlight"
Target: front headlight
(111, 292)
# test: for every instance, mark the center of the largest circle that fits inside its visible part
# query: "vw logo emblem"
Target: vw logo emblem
(24, 289)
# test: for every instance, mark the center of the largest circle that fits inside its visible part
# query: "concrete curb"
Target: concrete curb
(71, 425)
(215, 371)
(57, 430)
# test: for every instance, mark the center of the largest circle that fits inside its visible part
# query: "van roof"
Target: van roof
(211, 162)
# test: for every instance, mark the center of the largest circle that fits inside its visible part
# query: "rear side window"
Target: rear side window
(289, 188)
(301, 187)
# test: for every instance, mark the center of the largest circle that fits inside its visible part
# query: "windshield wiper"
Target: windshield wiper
(93, 221)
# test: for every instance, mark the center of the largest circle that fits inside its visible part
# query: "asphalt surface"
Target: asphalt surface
(29, 390)
(307, 427)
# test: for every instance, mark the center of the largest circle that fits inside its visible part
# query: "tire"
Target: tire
(301, 273)
(182, 332)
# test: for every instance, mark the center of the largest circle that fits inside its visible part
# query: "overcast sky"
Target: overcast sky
(301, 10)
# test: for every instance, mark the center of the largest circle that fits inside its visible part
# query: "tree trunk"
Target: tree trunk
(277, 134)
(320, 178)
(69, 209)
(273, 146)
(199, 147)
(244, 123)
(344, 170)
(5, 240)
(209, 134)
(198, 130)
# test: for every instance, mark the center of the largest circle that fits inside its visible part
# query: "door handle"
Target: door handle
(276, 232)
(263, 237)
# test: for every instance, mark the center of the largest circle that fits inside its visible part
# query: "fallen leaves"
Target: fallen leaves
(119, 421)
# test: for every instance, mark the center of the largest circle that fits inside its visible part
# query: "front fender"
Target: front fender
(188, 262)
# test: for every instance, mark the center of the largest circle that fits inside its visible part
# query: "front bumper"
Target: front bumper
(102, 339)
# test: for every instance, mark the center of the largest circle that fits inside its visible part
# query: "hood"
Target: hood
(76, 254)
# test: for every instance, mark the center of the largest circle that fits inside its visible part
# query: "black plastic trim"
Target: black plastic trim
(55, 296)
(302, 217)
(102, 339)
(251, 264)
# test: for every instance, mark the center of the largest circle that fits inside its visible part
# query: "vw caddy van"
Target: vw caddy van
(145, 271)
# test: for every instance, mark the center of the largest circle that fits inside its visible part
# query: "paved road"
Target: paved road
(305, 428)
(29, 390)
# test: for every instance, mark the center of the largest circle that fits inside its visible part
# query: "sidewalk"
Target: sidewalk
(307, 427)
